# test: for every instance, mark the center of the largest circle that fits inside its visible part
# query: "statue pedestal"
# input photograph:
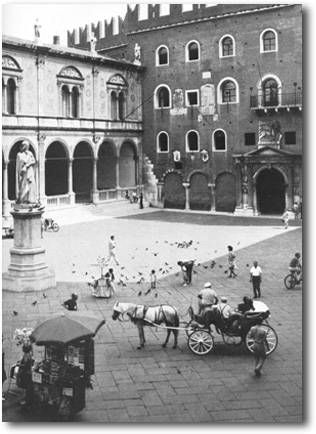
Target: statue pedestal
(27, 270)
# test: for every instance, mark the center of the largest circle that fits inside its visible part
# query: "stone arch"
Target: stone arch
(199, 193)
(128, 164)
(225, 192)
(15, 148)
(173, 191)
(56, 168)
(270, 186)
(83, 171)
(106, 166)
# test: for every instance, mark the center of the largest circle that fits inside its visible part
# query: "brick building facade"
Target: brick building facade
(222, 100)
(81, 114)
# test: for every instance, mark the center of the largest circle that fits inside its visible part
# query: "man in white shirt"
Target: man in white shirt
(112, 247)
(255, 278)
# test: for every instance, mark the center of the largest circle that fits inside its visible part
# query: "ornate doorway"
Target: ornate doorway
(270, 188)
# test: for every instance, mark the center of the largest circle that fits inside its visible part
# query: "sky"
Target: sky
(56, 18)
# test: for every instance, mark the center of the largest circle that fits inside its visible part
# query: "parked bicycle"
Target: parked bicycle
(49, 225)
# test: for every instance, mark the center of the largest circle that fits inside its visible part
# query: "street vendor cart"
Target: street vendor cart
(61, 378)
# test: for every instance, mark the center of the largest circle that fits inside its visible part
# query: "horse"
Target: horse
(141, 316)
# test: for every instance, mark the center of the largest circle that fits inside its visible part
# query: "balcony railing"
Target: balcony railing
(285, 100)
(47, 122)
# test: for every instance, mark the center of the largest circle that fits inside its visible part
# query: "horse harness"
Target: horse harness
(139, 313)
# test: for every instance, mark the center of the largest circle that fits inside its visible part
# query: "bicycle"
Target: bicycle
(291, 280)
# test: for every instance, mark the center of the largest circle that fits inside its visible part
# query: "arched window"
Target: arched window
(65, 95)
(192, 51)
(75, 102)
(192, 141)
(219, 140)
(162, 99)
(121, 106)
(270, 92)
(268, 41)
(228, 92)
(113, 106)
(162, 56)
(162, 142)
(11, 91)
(227, 46)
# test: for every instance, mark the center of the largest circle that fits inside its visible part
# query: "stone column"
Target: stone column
(4, 96)
(94, 192)
(117, 171)
(244, 186)
(186, 185)
(160, 198)
(41, 169)
(254, 198)
(213, 201)
(71, 193)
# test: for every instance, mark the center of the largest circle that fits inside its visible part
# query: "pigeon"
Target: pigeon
(139, 282)
(146, 248)
(178, 371)
(155, 254)
(34, 303)
(86, 273)
(166, 263)
(15, 313)
(122, 268)
(205, 266)
(194, 272)
(44, 295)
(220, 266)
(213, 263)
(215, 251)
(247, 265)
(140, 273)
(156, 295)
(139, 294)
(148, 291)
(226, 271)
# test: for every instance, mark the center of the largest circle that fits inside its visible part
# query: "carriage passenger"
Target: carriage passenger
(237, 316)
(207, 297)
(224, 308)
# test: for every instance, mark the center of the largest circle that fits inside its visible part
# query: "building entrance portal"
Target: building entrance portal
(270, 192)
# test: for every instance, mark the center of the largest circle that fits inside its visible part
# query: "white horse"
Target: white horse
(141, 316)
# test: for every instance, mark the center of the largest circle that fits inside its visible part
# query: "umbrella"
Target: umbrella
(66, 328)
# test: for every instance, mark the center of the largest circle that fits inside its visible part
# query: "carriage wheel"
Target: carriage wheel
(272, 339)
(189, 328)
(290, 281)
(200, 342)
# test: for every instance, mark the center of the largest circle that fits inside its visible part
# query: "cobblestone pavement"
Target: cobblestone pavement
(173, 385)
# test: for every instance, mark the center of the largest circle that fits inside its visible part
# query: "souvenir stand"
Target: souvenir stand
(60, 379)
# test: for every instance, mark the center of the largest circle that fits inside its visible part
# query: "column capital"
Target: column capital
(186, 184)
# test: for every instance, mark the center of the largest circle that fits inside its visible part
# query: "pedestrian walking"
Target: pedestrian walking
(112, 250)
(296, 210)
(153, 279)
(112, 280)
(285, 219)
(109, 285)
(255, 278)
(231, 262)
(141, 198)
(260, 347)
(24, 377)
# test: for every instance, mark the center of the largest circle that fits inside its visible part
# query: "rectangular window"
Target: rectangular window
(164, 9)
(290, 137)
(250, 139)
(192, 98)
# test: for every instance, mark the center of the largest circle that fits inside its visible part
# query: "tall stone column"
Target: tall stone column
(213, 198)
(254, 198)
(4, 96)
(95, 194)
(71, 193)
(186, 185)
(41, 169)
(117, 171)
(244, 186)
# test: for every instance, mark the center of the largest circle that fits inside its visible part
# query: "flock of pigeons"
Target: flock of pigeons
(122, 278)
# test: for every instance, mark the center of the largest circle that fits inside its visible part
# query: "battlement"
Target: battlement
(149, 16)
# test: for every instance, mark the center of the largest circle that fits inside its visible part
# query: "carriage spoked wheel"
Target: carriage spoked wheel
(272, 339)
(189, 328)
(290, 281)
(200, 342)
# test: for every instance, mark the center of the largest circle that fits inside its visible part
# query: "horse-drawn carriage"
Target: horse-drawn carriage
(200, 336)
